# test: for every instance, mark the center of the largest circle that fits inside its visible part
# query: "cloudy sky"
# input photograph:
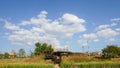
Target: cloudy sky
(89, 23)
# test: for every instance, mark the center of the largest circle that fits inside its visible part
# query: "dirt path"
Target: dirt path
(57, 66)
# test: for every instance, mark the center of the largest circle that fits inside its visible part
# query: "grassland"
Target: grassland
(35, 62)
(71, 61)
(85, 61)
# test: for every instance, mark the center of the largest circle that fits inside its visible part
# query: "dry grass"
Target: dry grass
(36, 59)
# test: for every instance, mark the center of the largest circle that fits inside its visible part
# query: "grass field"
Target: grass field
(71, 61)
(106, 64)
(85, 61)
(26, 65)
(35, 62)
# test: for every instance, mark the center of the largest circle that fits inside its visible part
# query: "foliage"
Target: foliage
(42, 48)
(6, 55)
(22, 53)
(111, 51)
(1, 55)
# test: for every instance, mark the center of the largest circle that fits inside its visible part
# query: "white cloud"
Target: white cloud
(25, 23)
(117, 29)
(103, 26)
(96, 40)
(106, 26)
(39, 20)
(103, 32)
(30, 37)
(47, 30)
(83, 42)
(70, 18)
(86, 39)
(11, 26)
(111, 39)
(90, 36)
(108, 32)
(115, 19)
(113, 24)
(55, 27)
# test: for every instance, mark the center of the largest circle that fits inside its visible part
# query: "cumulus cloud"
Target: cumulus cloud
(106, 26)
(90, 36)
(103, 26)
(86, 39)
(117, 29)
(11, 26)
(70, 18)
(46, 30)
(108, 32)
(115, 19)
(103, 31)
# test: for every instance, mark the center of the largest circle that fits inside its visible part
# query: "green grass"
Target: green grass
(35, 62)
(25, 65)
(91, 65)
(84, 61)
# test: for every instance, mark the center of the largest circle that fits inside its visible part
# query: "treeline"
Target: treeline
(40, 48)
(21, 54)
(111, 51)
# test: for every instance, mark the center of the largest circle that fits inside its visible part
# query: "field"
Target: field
(91, 65)
(35, 62)
(85, 61)
(71, 61)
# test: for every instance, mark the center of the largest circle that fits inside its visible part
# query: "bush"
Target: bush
(111, 51)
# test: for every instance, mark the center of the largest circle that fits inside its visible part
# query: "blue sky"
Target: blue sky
(93, 23)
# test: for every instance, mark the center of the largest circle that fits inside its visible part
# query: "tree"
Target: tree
(22, 53)
(1, 55)
(50, 49)
(42, 48)
(6, 55)
(111, 51)
(38, 48)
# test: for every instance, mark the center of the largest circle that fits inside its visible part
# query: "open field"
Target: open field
(85, 61)
(25, 65)
(35, 62)
(106, 64)
(71, 61)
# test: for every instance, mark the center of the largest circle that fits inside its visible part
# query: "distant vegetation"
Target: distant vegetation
(106, 58)
(42, 48)
(111, 51)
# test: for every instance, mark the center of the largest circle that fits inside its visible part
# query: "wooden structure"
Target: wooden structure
(56, 56)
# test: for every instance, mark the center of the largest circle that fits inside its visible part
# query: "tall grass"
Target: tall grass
(25, 65)
(34, 62)
(91, 65)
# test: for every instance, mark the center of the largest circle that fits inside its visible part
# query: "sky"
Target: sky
(81, 24)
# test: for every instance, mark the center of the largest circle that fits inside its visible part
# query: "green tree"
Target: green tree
(1, 55)
(6, 55)
(42, 48)
(111, 51)
(22, 53)
(38, 48)
(50, 49)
